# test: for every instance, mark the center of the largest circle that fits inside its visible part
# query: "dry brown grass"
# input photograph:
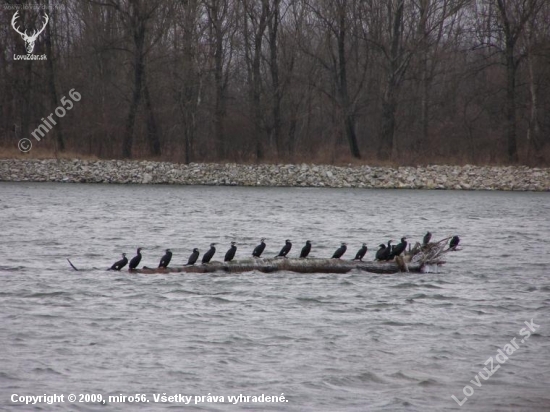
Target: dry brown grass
(40, 153)
(322, 157)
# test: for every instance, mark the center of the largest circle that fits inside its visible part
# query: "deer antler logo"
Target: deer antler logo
(29, 40)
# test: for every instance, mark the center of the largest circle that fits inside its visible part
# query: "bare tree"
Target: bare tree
(52, 78)
(255, 16)
(333, 18)
(187, 70)
(397, 61)
(513, 15)
(276, 86)
(221, 30)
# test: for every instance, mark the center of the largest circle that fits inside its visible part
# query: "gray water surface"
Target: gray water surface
(353, 342)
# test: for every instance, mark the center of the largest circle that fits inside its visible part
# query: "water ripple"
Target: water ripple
(350, 342)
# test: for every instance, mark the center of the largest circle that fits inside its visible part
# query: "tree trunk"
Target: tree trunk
(275, 83)
(219, 114)
(387, 146)
(533, 131)
(253, 40)
(152, 129)
(128, 141)
(389, 107)
(138, 27)
(51, 85)
(349, 117)
(511, 103)
(188, 92)
(216, 12)
(257, 86)
(424, 6)
(27, 96)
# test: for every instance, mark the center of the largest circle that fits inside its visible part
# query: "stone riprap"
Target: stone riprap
(301, 175)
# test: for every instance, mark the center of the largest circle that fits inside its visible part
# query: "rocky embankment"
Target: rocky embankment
(146, 172)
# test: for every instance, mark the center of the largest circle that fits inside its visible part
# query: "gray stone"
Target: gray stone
(147, 178)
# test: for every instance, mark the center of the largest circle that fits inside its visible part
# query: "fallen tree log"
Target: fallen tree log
(310, 265)
(414, 261)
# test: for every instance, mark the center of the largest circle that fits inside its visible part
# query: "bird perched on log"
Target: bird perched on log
(120, 264)
(427, 238)
(399, 248)
(387, 254)
(361, 253)
(135, 260)
(286, 248)
(454, 242)
(193, 258)
(305, 250)
(230, 254)
(165, 260)
(340, 251)
(207, 257)
(380, 252)
(258, 250)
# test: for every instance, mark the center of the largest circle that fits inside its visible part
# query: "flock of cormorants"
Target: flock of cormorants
(385, 252)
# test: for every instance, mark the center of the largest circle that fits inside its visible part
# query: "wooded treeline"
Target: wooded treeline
(409, 81)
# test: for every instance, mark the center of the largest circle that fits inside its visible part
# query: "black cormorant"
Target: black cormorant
(210, 254)
(361, 253)
(165, 260)
(121, 263)
(306, 249)
(399, 248)
(230, 254)
(135, 260)
(340, 251)
(286, 248)
(258, 250)
(193, 258)
(454, 242)
(381, 252)
(387, 255)
(427, 238)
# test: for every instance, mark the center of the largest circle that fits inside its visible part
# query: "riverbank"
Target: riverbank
(302, 175)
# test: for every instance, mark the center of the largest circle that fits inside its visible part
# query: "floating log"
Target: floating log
(310, 265)
(414, 261)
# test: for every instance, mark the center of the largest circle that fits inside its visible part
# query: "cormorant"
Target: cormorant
(286, 248)
(135, 260)
(305, 250)
(121, 263)
(454, 242)
(165, 260)
(399, 248)
(210, 254)
(387, 254)
(361, 253)
(258, 250)
(381, 252)
(230, 254)
(427, 238)
(340, 251)
(193, 258)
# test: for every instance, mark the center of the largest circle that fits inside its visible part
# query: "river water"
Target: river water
(352, 342)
